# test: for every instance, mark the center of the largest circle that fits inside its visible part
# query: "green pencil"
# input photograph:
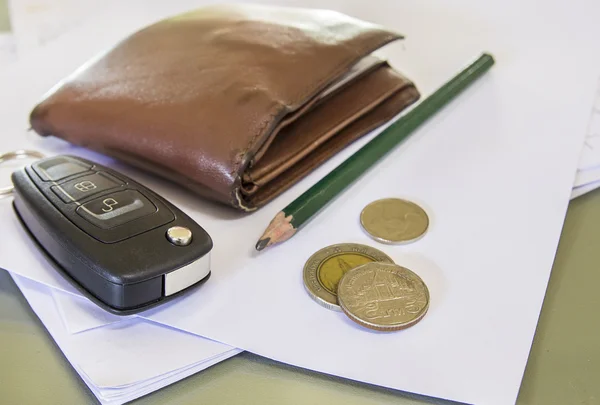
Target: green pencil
(287, 222)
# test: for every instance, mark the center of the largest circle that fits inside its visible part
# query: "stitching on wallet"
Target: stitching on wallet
(240, 201)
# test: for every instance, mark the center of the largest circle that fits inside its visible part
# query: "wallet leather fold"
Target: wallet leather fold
(235, 102)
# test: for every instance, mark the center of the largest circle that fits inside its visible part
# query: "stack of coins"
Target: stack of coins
(324, 270)
(365, 283)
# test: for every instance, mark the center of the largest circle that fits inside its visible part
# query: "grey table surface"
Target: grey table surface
(4, 18)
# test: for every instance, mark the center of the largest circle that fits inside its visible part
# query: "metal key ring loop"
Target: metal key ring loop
(14, 155)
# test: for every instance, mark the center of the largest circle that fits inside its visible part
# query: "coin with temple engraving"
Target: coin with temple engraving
(394, 221)
(325, 268)
(383, 296)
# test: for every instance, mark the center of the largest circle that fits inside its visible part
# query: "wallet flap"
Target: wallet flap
(371, 120)
(301, 137)
(360, 69)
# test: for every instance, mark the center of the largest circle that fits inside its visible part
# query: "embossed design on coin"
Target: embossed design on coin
(393, 220)
(383, 296)
(325, 268)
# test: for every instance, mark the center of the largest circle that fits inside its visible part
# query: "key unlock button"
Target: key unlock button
(85, 186)
(116, 209)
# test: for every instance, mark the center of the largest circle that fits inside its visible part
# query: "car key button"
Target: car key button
(85, 186)
(179, 235)
(116, 209)
(59, 168)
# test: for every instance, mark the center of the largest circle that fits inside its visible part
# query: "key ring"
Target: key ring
(14, 155)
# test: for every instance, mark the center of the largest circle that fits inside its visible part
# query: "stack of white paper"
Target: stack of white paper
(588, 173)
(494, 170)
(124, 360)
(118, 358)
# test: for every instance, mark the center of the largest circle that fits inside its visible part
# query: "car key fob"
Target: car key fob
(123, 246)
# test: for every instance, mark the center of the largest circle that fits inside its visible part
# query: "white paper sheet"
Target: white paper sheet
(590, 155)
(79, 314)
(495, 173)
(581, 190)
(588, 175)
(8, 53)
(122, 362)
(494, 170)
(36, 23)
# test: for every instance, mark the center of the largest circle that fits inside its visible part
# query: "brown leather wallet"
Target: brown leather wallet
(235, 102)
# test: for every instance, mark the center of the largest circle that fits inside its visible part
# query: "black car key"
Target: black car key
(123, 246)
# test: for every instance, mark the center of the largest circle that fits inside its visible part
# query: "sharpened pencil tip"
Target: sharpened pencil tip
(262, 243)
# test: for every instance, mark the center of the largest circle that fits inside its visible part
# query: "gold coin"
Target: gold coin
(325, 268)
(383, 296)
(393, 220)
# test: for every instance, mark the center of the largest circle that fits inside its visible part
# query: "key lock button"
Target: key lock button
(85, 186)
